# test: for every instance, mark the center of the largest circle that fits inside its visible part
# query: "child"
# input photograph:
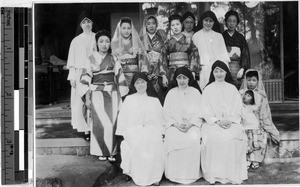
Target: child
(250, 120)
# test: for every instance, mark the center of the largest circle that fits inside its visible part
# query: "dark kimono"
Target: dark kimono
(238, 50)
(182, 52)
(156, 58)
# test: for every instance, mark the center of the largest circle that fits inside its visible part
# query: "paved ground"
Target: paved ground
(88, 171)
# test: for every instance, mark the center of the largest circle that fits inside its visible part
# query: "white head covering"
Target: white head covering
(260, 86)
(116, 43)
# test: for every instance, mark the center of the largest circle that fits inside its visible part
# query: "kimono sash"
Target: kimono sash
(107, 78)
(179, 59)
(130, 65)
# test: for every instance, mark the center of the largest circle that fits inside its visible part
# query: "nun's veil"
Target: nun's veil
(222, 65)
(82, 16)
(142, 75)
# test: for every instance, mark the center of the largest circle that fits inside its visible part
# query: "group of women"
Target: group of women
(171, 97)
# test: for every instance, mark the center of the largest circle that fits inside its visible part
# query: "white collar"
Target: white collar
(151, 35)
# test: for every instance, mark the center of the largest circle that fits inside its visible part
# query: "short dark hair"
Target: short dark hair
(126, 20)
(232, 13)
(252, 74)
(251, 93)
(174, 17)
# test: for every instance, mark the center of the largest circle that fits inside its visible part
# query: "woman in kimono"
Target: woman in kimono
(237, 48)
(142, 122)
(154, 45)
(80, 49)
(267, 134)
(180, 50)
(189, 24)
(223, 152)
(104, 77)
(127, 47)
(182, 163)
(210, 44)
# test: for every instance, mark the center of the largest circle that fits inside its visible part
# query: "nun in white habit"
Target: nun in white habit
(80, 49)
(142, 122)
(223, 146)
(182, 139)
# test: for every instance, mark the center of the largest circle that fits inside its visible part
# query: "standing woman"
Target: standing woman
(210, 44)
(237, 48)
(182, 163)
(154, 45)
(80, 49)
(127, 47)
(142, 122)
(189, 24)
(181, 51)
(104, 76)
(223, 153)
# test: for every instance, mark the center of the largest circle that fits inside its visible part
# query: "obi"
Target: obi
(179, 59)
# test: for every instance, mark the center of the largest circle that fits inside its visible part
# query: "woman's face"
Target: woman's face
(188, 24)
(151, 25)
(86, 25)
(140, 86)
(125, 30)
(251, 82)
(232, 23)
(103, 43)
(247, 99)
(219, 74)
(176, 26)
(182, 81)
(208, 24)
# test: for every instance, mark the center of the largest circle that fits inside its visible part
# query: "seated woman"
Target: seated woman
(182, 163)
(266, 129)
(223, 146)
(141, 122)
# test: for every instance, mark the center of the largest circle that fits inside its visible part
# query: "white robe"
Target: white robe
(182, 163)
(211, 47)
(141, 122)
(223, 151)
(80, 49)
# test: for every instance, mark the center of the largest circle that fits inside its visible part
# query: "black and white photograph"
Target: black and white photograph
(166, 93)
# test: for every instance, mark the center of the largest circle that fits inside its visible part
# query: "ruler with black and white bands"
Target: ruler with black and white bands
(16, 93)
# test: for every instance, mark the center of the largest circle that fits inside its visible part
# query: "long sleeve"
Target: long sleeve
(246, 64)
(194, 58)
(206, 109)
(123, 118)
(223, 54)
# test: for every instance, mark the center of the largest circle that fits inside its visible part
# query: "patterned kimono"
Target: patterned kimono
(182, 52)
(156, 57)
(266, 130)
(104, 77)
(239, 54)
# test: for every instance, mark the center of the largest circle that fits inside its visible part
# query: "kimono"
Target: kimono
(104, 77)
(156, 57)
(223, 151)
(239, 54)
(182, 52)
(80, 49)
(131, 54)
(211, 47)
(266, 130)
(142, 122)
(182, 162)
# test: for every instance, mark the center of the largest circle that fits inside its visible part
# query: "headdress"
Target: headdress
(211, 15)
(116, 43)
(142, 75)
(222, 65)
(143, 33)
(186, 72)
(260, 86)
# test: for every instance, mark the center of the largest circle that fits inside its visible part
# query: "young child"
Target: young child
(250, 120)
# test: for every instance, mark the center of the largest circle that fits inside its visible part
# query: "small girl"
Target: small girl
(250, 120)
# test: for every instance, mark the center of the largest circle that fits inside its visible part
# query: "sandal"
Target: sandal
(112, 159)
(255, 165)
(102, 158)
(249, 164)
(156, 184)
(87, 137)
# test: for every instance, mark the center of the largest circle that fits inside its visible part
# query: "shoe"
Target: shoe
(128, 178)
(112, 159)
(255, 165)
(87, 137)
(249, 164)
(102, 158)
(156, 184)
